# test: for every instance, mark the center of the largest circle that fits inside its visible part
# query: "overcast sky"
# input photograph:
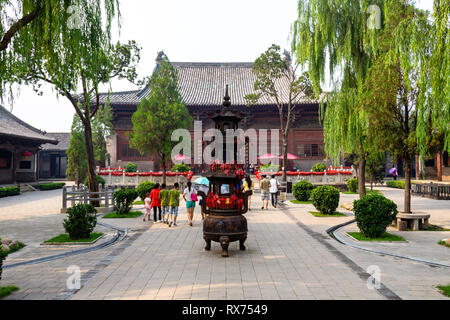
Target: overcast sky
(194, 30)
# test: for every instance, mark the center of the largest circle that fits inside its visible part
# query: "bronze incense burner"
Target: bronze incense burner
(226, 202)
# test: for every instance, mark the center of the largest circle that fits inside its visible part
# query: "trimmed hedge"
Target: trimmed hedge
(81, 221)
(352, 185)
(144, 188)
(373, 214)
(397, 184)
(325, 199)
(9, 191)
(51, 186)
(302, 190)
(123, 200)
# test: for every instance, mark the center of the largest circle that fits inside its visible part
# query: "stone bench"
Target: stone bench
(419, 221)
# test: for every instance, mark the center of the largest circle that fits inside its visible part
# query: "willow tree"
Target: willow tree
(340, 36)
(430, 52)
(159, 114)
(393, 89)
(45, 27)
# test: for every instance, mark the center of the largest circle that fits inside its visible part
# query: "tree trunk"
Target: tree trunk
(362, 174)
(407, 185)
(439, 165)
(92, 177)
(283, 177)
(164, 171)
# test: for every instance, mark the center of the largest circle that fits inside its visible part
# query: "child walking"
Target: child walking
(147, 206)
(164, 197)
(174, 203)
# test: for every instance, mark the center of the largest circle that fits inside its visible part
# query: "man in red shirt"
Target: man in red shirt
(156, 202)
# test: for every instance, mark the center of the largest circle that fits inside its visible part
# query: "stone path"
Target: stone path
(289, 256)
(282, 262)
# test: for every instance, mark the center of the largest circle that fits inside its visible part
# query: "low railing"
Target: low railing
(73, 196)
(431, 190)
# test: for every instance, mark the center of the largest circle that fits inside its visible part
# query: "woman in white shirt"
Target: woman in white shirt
(190, 196)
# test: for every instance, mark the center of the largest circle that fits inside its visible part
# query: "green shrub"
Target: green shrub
(131, 167)
(123, 200)
(81, 221)
(302, 190)
(373, 214)
(325, 199)
(144, 188)
(50, 186)
(396, 184)
(352, 185)
(100, 181)
(3, 255)
(181, 167)
(319, 167)
(9, 191)
(269, 168)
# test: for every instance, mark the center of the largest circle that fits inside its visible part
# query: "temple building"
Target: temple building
(19, 149)
(53, 158)
(202, 87)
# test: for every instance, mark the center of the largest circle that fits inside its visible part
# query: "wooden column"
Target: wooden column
(14, 165)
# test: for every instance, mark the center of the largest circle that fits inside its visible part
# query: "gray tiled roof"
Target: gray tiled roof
(204, 84)
(63, 139)
(10, 125)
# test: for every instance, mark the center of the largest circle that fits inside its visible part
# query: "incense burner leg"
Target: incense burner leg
(241, 244)
(208, 244)
(224, 242)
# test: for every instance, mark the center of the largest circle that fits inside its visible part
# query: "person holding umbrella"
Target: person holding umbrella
(203, 185)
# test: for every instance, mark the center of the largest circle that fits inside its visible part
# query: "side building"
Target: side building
(19, 149)
(53, 158)
(202, 87)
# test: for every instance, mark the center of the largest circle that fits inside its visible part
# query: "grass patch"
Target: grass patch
(320, 215)
(131, 214)
(385, 237)
(6, 291)
(442, 243)
(136, 203)
(445, 290)
(63, 238)
(301, 202)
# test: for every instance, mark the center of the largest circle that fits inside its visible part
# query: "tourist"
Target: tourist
(164, 197)
(274, 185)
(147, 206)
(156, 202)
(264, 185)
(248, 186)
(190, 196)
(174, 203)
(205, 190)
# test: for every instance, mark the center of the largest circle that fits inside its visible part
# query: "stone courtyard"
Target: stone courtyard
(289, 256)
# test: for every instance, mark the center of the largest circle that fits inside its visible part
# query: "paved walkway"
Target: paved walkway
(282, 262)
(289, 256)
